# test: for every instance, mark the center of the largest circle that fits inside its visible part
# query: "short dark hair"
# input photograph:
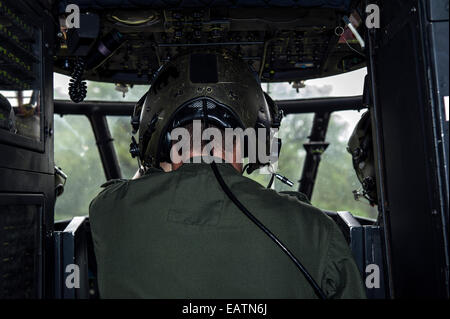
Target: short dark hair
(190, 128)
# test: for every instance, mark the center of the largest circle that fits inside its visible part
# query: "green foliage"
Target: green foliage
(76, 153)
(121, 132)
(336, 178)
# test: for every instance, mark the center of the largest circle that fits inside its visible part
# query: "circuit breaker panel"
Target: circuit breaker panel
(26, 148)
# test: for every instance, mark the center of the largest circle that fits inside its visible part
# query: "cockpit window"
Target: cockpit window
(100, 91)
(346, 84)
(120, 129)
(336, 178)
(76, 151)
(20, 113)
(77, 155)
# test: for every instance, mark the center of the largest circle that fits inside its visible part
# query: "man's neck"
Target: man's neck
(237, 166)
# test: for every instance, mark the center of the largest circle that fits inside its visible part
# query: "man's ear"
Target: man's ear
(166, 167)
(137, 175)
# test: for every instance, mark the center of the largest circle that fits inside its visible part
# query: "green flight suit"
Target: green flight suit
(177, 235)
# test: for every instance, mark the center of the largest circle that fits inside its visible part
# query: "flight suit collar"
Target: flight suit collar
(193, 164)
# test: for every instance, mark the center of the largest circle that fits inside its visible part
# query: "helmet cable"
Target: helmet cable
(261, 226)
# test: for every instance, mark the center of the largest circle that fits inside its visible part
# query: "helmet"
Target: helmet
(7, 117)
(230, 89)
(360, 146)
(60, 181)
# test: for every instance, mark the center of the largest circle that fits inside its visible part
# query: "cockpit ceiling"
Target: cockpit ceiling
(281, 40)
(180, 4)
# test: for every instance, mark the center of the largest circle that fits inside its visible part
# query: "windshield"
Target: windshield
(335, 181)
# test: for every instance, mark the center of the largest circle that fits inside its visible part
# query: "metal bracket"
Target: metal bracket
(71, 248)
(365, 244)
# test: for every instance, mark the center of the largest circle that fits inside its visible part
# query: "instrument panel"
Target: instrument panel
(282, 44)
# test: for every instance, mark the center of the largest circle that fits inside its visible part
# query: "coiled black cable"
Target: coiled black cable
(78, 87)
(319, 292)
